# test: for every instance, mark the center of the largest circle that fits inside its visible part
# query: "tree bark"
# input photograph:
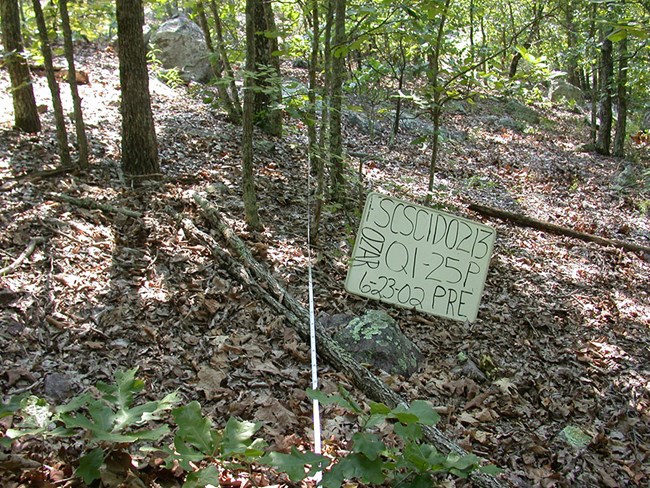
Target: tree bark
(139, 144)
(268, 116)
(336, 101)
(82, 140)
(269, 289)
(526, 221)
(25, 111)
(248, 180)
(221, 47)
(538, 9)
(621, 100)
(234, 114)
(59, 117)
(604, 136)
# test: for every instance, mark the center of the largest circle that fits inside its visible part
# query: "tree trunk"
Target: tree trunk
(433, 75)
(336, 97)
(248, 181)
(604, 136)
(82, 140)
(221, 48)
(139, 144)
(233, 114)
(621, 100)
(59, 117)
(593, 128)
(25, 111)
(538, 9)
(572, 44)
(315, 156)
(268, 116)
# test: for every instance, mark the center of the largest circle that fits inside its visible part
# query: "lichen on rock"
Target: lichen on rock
(375, 338)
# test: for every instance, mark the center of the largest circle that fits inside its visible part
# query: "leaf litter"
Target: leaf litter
(561, 343)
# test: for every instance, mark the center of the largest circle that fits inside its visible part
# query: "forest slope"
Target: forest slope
(563, 331)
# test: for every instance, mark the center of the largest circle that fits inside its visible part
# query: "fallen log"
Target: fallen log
(255, 276)
(93, 205)
(526, 221)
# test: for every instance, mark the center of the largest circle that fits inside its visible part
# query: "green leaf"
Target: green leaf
(425, 412)
(237, 436)
(354, 466)
(294, 464)
(89, 465)
(199, 479)
(379, 408)
(368, 445)
(194, 428)
(334, 399)
(102, 416)
(74, 404)
(9, 408)
(184, 453)
(490, 469)
(408, 432)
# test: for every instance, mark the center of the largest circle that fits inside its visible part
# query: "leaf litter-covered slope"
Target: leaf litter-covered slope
(561, 340)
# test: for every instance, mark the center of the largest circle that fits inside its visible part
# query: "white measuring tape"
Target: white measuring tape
(312, 326)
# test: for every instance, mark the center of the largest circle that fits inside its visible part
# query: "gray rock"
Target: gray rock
(180, 44)
(376, 339)
(562, 90)
(521, 112)
(57, 387)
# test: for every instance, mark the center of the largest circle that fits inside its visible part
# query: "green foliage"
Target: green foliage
(171, 77)
(113, 419)
(410, 462)
(106, 421)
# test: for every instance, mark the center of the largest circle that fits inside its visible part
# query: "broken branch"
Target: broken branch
(526, 221)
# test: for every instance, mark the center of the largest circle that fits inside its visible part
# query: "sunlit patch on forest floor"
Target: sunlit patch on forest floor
(563, 335)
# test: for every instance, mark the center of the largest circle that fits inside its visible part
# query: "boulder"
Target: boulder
(376, 339)
(179, 43)
(521, 112)
(563, 90)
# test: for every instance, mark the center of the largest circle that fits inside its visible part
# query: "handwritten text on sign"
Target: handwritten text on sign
(421, 258)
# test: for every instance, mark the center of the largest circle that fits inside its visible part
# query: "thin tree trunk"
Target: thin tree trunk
(248, 182)
(221, 48)
(621, 100)
(323, 137)
(139, 144)
(269, 94)
(336, 136)
(593, 130)
(233, 114)
(59, 117)
(604, 136)
(25, 111)
(433, 75)
(82, 140)
(572, 44)
(538, 9)
(315, 156)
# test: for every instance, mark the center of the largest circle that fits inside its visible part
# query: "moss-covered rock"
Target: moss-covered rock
(376, 339)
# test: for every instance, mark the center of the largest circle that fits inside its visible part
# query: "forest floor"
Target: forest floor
(563, 332)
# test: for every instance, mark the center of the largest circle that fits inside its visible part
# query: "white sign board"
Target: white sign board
(417, 257)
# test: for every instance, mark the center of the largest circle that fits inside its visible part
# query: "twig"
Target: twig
(25, 254)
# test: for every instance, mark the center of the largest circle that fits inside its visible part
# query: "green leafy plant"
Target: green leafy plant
(111, 420)
(108, 421)
(196, 442)
(408, 463)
